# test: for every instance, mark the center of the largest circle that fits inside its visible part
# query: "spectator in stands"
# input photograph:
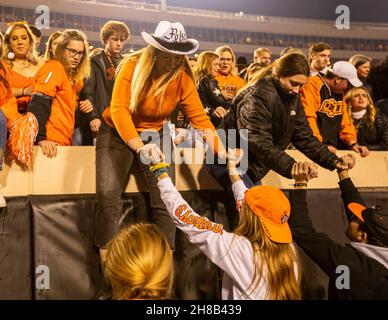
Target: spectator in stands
(262, 56)
(362, 64)
(272, 113)
(56, 91)
(371, 123)
(99, 86)
(378, 79)
(228, 80)
(22, 129)
(258, 259)
(326, 112)
(139, 263)
(366, 257)
(21, 62)
(148, 87)
(215, 104)
(51, 45)
(319, 56)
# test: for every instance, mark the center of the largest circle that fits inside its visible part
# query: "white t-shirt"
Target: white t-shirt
(230, 252)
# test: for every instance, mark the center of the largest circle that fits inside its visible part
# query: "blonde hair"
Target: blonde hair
(276, 261)
(83, 69)
(139, 263)
(49, 55)
(142, 85)
(370, 115)
(204, 65)
(220, 50)
(31, 55)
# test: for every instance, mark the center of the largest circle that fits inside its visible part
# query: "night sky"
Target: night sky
(360, 10)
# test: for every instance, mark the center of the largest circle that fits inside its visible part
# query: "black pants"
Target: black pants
(114, 160)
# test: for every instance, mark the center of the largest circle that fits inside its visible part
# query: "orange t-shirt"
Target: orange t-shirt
(149, 115)
(52, 80)
(230, 84)
(18, 81)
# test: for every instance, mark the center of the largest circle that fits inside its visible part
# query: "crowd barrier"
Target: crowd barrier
(47, 229)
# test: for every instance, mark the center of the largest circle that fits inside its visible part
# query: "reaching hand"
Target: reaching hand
(180, 136)
(150, 154)
(332, 149)
(362, 150)
(49, 148)
(95, 125)
(313, 171)
(220, 112)
(85, 106)
(346, 162)
(300, 172)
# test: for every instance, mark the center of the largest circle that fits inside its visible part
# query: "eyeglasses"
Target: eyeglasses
(73, 53)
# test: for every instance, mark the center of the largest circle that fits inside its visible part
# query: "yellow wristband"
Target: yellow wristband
(159, 166)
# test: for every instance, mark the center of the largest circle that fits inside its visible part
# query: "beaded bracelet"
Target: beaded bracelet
(158, 166)
(160, 171)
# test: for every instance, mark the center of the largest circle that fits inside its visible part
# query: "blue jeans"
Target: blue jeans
(3, 137)
(114, 160)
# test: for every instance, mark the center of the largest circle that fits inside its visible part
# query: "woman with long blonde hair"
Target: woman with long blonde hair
(139, 263)
(149, 85)
(56, 90)
(258, 259)
(21, 61)
(205, 72)
(371, 124)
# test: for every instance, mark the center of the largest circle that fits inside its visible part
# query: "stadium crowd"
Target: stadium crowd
(129, 105)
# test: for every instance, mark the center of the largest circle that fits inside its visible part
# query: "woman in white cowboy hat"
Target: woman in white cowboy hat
(149, 85)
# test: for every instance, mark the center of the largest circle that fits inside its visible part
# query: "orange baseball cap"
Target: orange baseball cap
(273, 209)
(357, 209)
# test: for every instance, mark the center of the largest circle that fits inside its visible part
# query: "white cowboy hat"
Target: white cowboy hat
(171, 38)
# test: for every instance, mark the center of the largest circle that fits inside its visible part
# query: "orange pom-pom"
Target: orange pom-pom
(23, 132)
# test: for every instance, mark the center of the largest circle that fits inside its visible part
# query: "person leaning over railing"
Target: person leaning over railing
(364, 260)
(258, 259)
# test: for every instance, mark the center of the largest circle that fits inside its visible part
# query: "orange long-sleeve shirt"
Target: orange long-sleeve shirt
(327, 113)
(149, 115)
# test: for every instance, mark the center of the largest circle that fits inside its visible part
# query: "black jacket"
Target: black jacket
(368, 278)
(375, 137)
(211, 98)
(274, 119)
(98, 89)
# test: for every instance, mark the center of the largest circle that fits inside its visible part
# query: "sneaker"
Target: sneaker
(2, 199)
